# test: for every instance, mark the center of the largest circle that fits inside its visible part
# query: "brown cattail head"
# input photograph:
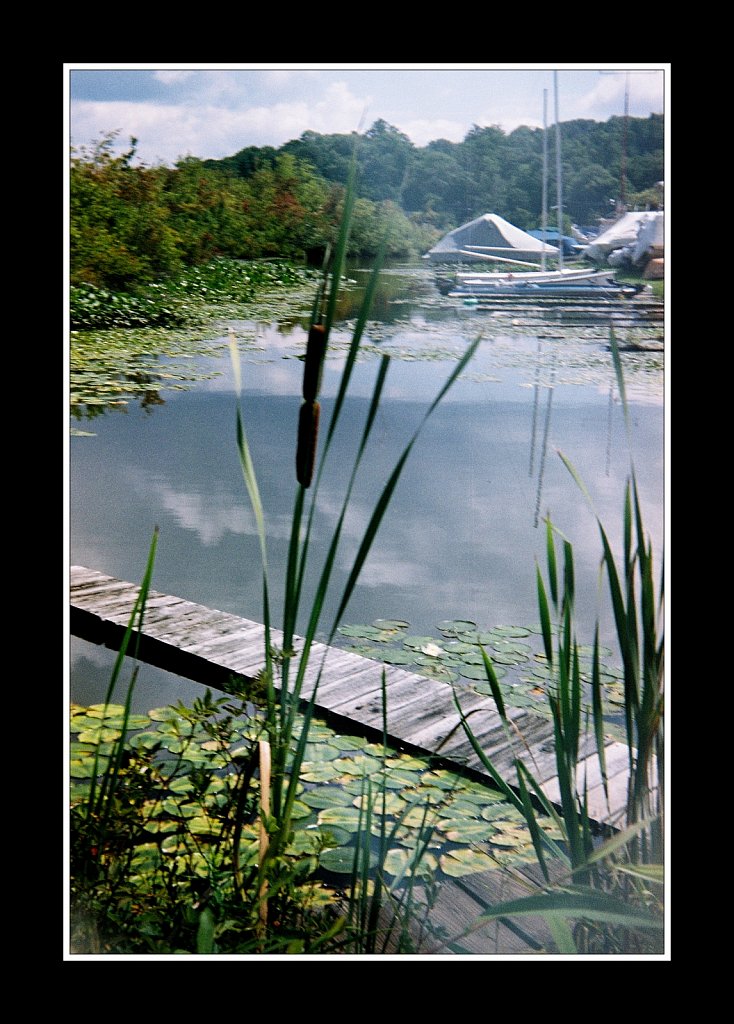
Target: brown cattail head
(315, 352)
(308, 432)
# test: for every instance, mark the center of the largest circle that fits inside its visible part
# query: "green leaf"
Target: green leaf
(458, 863)
(453, 627)
(327, 796)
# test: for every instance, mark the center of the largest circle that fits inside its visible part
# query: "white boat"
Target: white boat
(539, 284)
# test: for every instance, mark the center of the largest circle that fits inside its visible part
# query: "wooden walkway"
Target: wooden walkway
(211, 646)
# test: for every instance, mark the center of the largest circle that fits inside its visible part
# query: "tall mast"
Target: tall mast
(625, 130)
(544, 220)
(559, 188)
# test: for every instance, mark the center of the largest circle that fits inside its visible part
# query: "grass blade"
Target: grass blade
(598, 713)
(545, 621)
(551, 560)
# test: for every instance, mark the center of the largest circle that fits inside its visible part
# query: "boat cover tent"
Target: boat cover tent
(624, 232)
(650, 242)
(488, 235)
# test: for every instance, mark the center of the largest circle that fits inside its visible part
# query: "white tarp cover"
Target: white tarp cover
(494, 234)
(623, 232)
(650, 239)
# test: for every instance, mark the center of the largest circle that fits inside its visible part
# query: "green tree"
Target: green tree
(120, 225)
(384, 158)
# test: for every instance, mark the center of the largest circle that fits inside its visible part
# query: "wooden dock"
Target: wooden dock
(211, 646)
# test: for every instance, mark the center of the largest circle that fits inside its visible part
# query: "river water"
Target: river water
(466, 524)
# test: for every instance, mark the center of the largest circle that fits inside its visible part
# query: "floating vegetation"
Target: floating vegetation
(453, 655)
(471, 827)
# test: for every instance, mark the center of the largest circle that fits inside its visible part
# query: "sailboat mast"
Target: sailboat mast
(559, 188)
(544, 215)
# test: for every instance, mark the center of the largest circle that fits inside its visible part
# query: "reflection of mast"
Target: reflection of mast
(536, 390)
(545, 440)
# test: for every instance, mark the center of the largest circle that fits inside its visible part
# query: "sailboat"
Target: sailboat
(535, 284)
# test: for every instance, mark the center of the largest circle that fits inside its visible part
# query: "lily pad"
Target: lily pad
(343, 817)
(320, 752)
(477, 636)
(511, 647)
(99, 735)
(398, 657)
(167, 714)
(452, 627)
(310, 840)
(458, 863)
(204, 826)
(393, 803)
(407, 762)
(320, 771)
(367, 633)
(83, 768)
(443, 779)
(300, 810)
(350, 742)
(399, 860)
(341, 860)
(394, 625)
(417, 642)
(106, 710)
(441, 673)
(465, 830)
(327, 796)
(476, 672)
(457, 647)
(360, 765)
(517, 631)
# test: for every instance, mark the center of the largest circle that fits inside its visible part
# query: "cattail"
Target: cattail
(308, 432)
(315, 351)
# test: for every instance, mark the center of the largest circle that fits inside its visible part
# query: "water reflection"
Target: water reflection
(544, 449)
(460, 538)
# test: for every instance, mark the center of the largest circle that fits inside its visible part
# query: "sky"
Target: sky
(213, 111)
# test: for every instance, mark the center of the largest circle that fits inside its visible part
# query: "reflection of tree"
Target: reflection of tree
(147, 400)
(150, 399)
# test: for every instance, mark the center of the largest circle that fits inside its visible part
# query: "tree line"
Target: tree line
(490, 171)
(131, 223)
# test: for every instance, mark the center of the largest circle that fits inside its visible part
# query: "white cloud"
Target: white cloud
(167, 131)
(172, 77)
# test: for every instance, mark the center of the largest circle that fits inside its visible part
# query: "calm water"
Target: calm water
(465, 527)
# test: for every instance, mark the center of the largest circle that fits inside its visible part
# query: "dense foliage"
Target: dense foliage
(489, 172)
(132, 224)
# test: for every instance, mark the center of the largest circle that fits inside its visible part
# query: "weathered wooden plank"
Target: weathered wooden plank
(175, 629)
(121, 600)
(402, 688)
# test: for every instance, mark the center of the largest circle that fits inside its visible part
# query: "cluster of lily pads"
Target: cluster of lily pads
(191, 774)
(177, 301)
(453, 655)
(125, 346)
